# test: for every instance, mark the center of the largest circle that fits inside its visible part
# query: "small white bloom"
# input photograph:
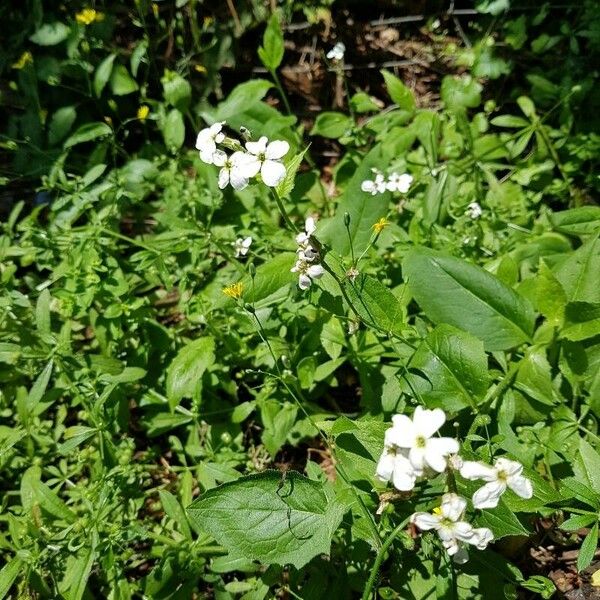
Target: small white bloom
(310, 227)
(307, 253)
(207, 141)
(399, 183)
(242, 246)
(378, 186)
(453, 532)
(416, 434)
(337, 52)
(265, 158)
(505, 473)
(231, 171)
(394, 466)
(474, 210)
(306, 273)
(455, 462)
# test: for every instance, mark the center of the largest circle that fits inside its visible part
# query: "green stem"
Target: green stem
(380, 558)
(281, 91)
(283, 212)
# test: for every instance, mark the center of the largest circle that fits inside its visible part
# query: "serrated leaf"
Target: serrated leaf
(502, 521)
(268, 518)
(451, 290)
(584, 220)
(285, 187)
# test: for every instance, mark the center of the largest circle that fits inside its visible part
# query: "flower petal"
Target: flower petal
(521, 486)
(425, 521)
(248, 165)
(304, 281)
(461, 556)
(404, 183)
(219, 158)
(427, 422)
(385, 466)
(272, 172)
(463, 531)
(223, 178)
(237, 179)
(489, 495)
(435, 459)
(277, 149)
(453, 506)
(310, 226)
(369, 187)
(257, 148)
(207, 154)
(482, 536)
(315, 271)
(510, 467)
(402, 432)
(404, 476)
(417, 458)
(475, 470)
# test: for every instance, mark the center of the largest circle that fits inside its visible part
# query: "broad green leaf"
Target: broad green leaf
(451, 290)
(550, 296)
(364, 210)
(501, 520)
(278, 420)
(588, 549)
(332, 125)
(584, 220)
(241, 97)
(375, 303)
(271, 51)
(582, 321)
(450, 369)
(102, 74)
(579, 521)
(461, 92)
(534, 376)
(269, 518)
(184, 374)
(10, 571)
(121, 82)
(173, 130)
(60, 124)
(580, 272)
(87, 133)
(270, 278)
(399, 92)
(50, 34)
(177, 91)
(587, 465)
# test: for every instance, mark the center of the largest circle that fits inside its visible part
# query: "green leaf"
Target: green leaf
(74, 436)
(580, 272)
(271, 277)
(79, 573)
(284, 189)
(375, 303)
(10, 571)
(60, 124)
(278, 420)
(451, 290)
(399, 93)
(38, 389)
(534, 376)
(582, 321)
(173, 130)
(588, 549)
(454, 366)
(587, 466)
(241, 98)
(364, 210)
(271, 52)
(184, 375)
(42, 311)
(550, 297)
(461, 92)
(102, 74)
(121, 82)
(177, 91)
(50, 34)
(175, 511)
(87, 133)
(579, 522)
(502, 521)
(34, 491)
(332, 125)
(268, 518)
(581, 221)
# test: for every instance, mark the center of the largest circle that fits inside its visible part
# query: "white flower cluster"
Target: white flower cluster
(393, 183)
(474, 211)
(243, 164)
(307, 266)
(411, 452)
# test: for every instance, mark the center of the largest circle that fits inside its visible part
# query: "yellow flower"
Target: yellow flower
(234, 290)
(200, 68)
(143, 112)
(380, 225)
(437, 510)
(88, 16)
(25, 59)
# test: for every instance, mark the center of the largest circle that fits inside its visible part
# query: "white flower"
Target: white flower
(231, 171)
(505, 473)
(337, 52)
(310, 227)
(474, 211)
(306, 273)
(242, 246)
(207, 141)
(265, 158)
(446, 521)
(399, 183)
(374, 187)
(394, 466)
(416, 435)
(307, 253)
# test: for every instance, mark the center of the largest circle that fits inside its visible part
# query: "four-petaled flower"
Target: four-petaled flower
(207, 141)
(306, 273)
(446, 521)
(399, 183)
(378, 186)
(395, 466)
(416, 435)
(242, 246)
(505, 473)
(265, 157)
(231, 171)
(337, 52)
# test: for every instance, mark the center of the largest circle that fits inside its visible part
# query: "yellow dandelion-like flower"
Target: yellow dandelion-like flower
(88, 16)
(200, 68)
(380, 225)
(234, 290)
(25, 59)
(143, 112)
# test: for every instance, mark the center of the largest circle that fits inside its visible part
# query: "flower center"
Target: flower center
(262, 157)
(502, 476)
(420, 441)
